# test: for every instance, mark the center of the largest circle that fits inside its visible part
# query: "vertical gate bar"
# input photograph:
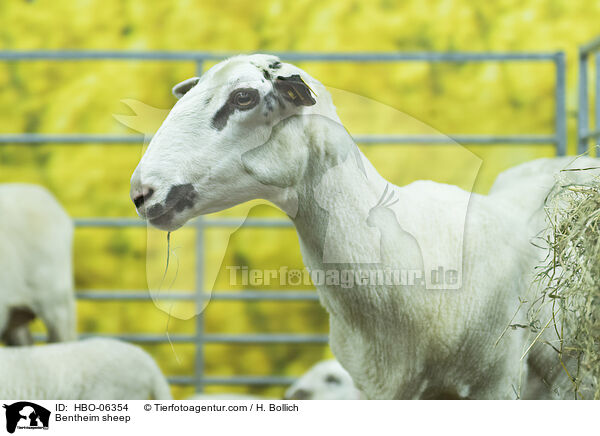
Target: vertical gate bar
(597, 100)
(561, 106)
(583, 105)
(199, 358)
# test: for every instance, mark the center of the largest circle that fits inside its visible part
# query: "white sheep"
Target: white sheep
(36, 278)
(91, 369)
(254, 127)
(326, 380)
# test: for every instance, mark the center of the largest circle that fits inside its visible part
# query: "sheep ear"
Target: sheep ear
(182, 88)
(294, 89)
(279, 161)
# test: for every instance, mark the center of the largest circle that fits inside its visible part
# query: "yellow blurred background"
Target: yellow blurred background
(92, 180)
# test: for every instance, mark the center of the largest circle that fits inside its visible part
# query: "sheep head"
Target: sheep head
(327, 380)
(195, 162)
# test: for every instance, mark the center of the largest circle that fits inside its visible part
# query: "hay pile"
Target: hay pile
(570, 278)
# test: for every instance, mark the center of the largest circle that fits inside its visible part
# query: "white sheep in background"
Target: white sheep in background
(326, 380)
(36, 278)
(91, 369)
(253, 127)
(524, 188)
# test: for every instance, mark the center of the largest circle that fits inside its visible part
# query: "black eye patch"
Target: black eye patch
(241, 99)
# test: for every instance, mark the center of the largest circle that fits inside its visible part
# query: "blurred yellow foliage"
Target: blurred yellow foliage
(93, 180)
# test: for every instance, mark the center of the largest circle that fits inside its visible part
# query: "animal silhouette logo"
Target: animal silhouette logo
(26, 415)
(393, 237)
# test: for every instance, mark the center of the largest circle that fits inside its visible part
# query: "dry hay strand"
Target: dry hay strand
(569, 281)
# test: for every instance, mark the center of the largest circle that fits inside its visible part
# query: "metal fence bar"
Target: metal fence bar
(144, 295)
(85, 55)
(585, 134)
(200, 337)
(591, 46)
(591, 135)
(206, 222)
(79, 139)
(582, 113)
(133, 337)
(263, 338)
(140, 295)
(178, 380)
(109, 222)
(560, 117)
(70, 138)
(238, 339)
(453, 139)
(250, 380)
(200, 294)
(248, 222)
(596, 132)
(235, 380)
(265, 296)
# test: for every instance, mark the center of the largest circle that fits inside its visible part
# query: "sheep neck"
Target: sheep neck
(334, 202)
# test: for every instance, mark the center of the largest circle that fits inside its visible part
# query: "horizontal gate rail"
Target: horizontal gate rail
(144, 295)
(235, 380)
(206, 222)
(74, 139)
(209, 338)
(591, 46)
(87, 55)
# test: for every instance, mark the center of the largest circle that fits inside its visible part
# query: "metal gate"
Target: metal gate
(584, 133)
(558, 139)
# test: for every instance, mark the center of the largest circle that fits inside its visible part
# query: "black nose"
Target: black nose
(139, 198)
(300, 394)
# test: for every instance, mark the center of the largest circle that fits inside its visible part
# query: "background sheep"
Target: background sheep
(326, 380)
(92, 369)
(36, 278)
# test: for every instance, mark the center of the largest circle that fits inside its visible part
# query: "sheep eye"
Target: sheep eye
(244, 98)
(332, 379)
